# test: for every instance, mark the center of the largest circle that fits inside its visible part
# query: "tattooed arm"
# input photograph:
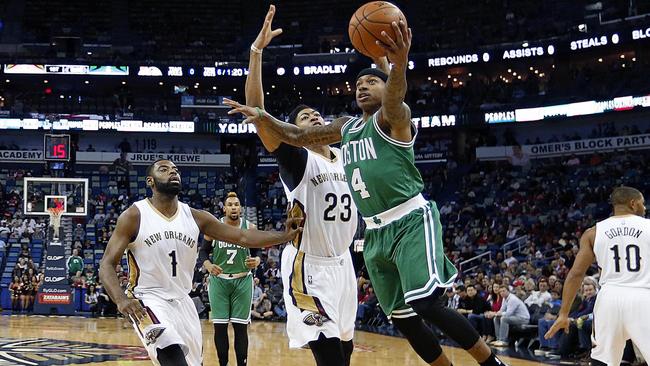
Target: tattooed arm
(289, 133)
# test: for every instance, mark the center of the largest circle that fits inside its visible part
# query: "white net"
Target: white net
(55, 222)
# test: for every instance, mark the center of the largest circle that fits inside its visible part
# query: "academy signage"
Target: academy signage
(23, 156)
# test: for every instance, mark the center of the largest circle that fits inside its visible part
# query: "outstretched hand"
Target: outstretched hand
(562, 322)
(397, 50)
(252, 114)
(266, 34)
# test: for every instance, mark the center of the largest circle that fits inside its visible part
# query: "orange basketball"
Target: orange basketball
(368, 22)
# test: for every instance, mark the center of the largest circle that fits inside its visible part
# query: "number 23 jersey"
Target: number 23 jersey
(162, 257)
(322, 197)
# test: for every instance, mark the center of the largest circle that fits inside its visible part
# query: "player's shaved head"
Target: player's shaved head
(624, 195)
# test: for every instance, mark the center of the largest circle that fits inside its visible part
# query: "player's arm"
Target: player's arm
(204, 256)
(382, 64)
(252, 262)
(286, 132)
(126, 229)
(583, 261)
(254, 89)
(251, 238)
(395, 114)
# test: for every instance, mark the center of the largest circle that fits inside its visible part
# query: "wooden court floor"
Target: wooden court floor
(36, 340)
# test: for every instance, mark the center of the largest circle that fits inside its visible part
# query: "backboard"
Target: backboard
(39, 194)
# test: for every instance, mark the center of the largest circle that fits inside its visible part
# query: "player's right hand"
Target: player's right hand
(292, 227)
(562, 322)
(252, 114)
(266, 34)
(132, 310)
(213, 269)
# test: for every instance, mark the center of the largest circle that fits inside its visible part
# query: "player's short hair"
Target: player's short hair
(294, 113)
(231, 195)
(623, 195)
(150, 167)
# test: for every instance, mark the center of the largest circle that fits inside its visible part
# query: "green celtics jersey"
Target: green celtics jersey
(230, 257)
(380, 170)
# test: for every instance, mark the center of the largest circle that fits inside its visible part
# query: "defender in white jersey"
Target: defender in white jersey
(160, 236)
(621, 246)
(317, 271)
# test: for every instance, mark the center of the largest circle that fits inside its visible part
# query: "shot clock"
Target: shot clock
(57, 147)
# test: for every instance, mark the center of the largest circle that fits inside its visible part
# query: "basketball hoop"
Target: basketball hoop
(55, 220)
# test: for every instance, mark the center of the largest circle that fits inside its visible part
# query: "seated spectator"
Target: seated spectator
(257, 290)
(452, 298)
(474, 308)
(512, 312)
(92, 298)
(541, 297)
(367, 304)
(262, 309)
(578, 341)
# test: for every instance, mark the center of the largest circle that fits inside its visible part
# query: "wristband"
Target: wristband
(256, 50)
(260, 112)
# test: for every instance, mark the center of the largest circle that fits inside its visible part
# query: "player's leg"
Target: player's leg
(638, 331)
(328, 351)
(171, 356)
(240, 315)
(386, 283)
(347, 305)
(425, 271)
(608, 329)
(219, 295)
(160, 334)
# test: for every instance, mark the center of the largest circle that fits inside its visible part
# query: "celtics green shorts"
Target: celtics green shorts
(404, 255)
(231, 299)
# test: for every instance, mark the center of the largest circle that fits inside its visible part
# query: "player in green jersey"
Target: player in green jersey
(231, 285)
(404, 247)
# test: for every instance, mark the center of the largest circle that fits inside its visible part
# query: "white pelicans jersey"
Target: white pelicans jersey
(163, 256)
(323, 198)
(622, 249)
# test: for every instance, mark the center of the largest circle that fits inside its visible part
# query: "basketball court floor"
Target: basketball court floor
(39, 340)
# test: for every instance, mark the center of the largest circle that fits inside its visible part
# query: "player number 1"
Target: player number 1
(172, 254)
(358, 185)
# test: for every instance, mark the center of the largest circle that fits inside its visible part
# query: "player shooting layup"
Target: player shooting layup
(403, 240)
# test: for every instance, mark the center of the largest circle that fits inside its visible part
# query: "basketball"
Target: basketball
(368, 22)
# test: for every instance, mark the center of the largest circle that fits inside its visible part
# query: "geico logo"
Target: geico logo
(54, 257)
(54, 279)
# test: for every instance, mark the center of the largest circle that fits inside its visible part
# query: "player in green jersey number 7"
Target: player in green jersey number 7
(403, 250)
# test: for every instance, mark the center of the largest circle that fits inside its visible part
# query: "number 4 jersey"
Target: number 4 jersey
(381, 170)
(322, 198)
(163, 255)
(622, 249)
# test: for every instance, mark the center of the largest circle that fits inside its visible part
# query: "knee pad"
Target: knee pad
(456, 326)
(421, 338)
